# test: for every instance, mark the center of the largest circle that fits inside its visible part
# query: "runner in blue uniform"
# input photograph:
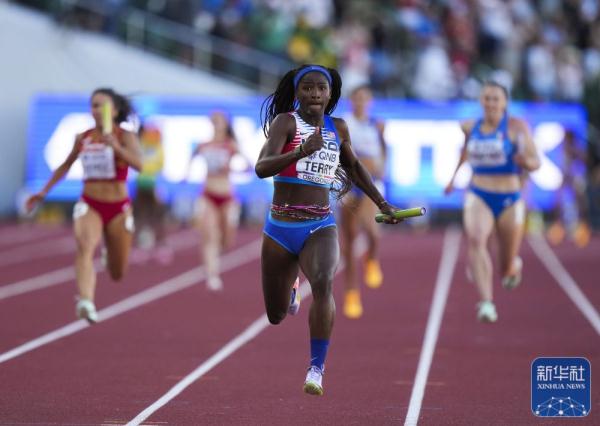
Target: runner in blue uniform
(309, 154)
(499, 148)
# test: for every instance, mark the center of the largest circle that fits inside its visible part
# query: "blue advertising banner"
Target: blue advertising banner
(424, 142)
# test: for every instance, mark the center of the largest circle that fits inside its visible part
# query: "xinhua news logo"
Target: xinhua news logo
(560, 387)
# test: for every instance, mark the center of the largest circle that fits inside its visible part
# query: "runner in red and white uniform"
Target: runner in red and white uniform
(104, 208)
(217, 213)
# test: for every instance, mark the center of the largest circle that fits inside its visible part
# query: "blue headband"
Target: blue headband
(311, 68)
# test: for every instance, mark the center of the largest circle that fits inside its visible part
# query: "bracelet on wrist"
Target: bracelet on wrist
(382, 203)
(299, 151)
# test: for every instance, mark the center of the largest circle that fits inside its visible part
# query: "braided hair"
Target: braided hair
(283, 100)
(121, 103)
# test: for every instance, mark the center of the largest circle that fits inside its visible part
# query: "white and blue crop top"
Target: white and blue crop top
(492, 153)
(365, 137)
(318, 169)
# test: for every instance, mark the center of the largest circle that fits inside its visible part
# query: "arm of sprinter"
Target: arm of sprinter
(527, 155)
(57, 175)
(270, 160)
(129, 151)
(466, 127)
(197, 151)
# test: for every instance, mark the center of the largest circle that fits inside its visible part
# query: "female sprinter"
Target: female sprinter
(218, 211)
(104, 207)
(149, 211)
(357, 211)
(499, 148)
(303, 150)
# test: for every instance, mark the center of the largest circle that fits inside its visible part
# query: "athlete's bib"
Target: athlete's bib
(98, 161)
(320, 166)
(217, 159)
(492, 153)
(487, 152)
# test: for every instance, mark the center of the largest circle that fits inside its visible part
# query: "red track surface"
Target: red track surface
(109, 373)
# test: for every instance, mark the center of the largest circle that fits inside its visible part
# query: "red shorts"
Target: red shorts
(107, 210)
(218, 200)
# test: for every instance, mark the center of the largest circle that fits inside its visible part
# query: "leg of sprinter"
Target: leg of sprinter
(319, 260)
(366, 212)
(87, 226)
(510, 228)
(118, 236)
(279, 271)
(349, 228)
(478, 223)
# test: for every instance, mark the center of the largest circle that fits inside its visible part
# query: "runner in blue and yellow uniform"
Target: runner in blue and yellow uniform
(499, 148)
(309, 154)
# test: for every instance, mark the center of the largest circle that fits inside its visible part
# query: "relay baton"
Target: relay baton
(107, 118)
(401, 214)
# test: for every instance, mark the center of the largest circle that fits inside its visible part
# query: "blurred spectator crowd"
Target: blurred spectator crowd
(428, 49)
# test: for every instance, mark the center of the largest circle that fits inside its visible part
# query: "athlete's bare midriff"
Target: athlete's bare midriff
(109, 191)
(297, 194)
(497, 183)
(218, 184)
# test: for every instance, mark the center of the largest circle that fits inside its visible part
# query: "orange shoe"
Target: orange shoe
(352, 305)
(373, 274)
(581, 236)
(555, 234)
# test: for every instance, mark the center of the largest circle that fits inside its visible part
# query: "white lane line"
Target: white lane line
(233, 345)
(47, 279)
(19, 234)
(180, 241)
(564, 280)
(236, 343)
(250, 333)
(242, 255)
(37, 250)
(450, 251)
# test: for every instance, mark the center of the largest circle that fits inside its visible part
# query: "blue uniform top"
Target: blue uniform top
(492, 153)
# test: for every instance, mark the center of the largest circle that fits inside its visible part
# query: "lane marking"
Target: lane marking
(238, 257)
(250, 333)
(47, 279)
(37, 250)
(448, 261)
(179, 241)
(20, 234)
(565, 281)
(233, 345)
